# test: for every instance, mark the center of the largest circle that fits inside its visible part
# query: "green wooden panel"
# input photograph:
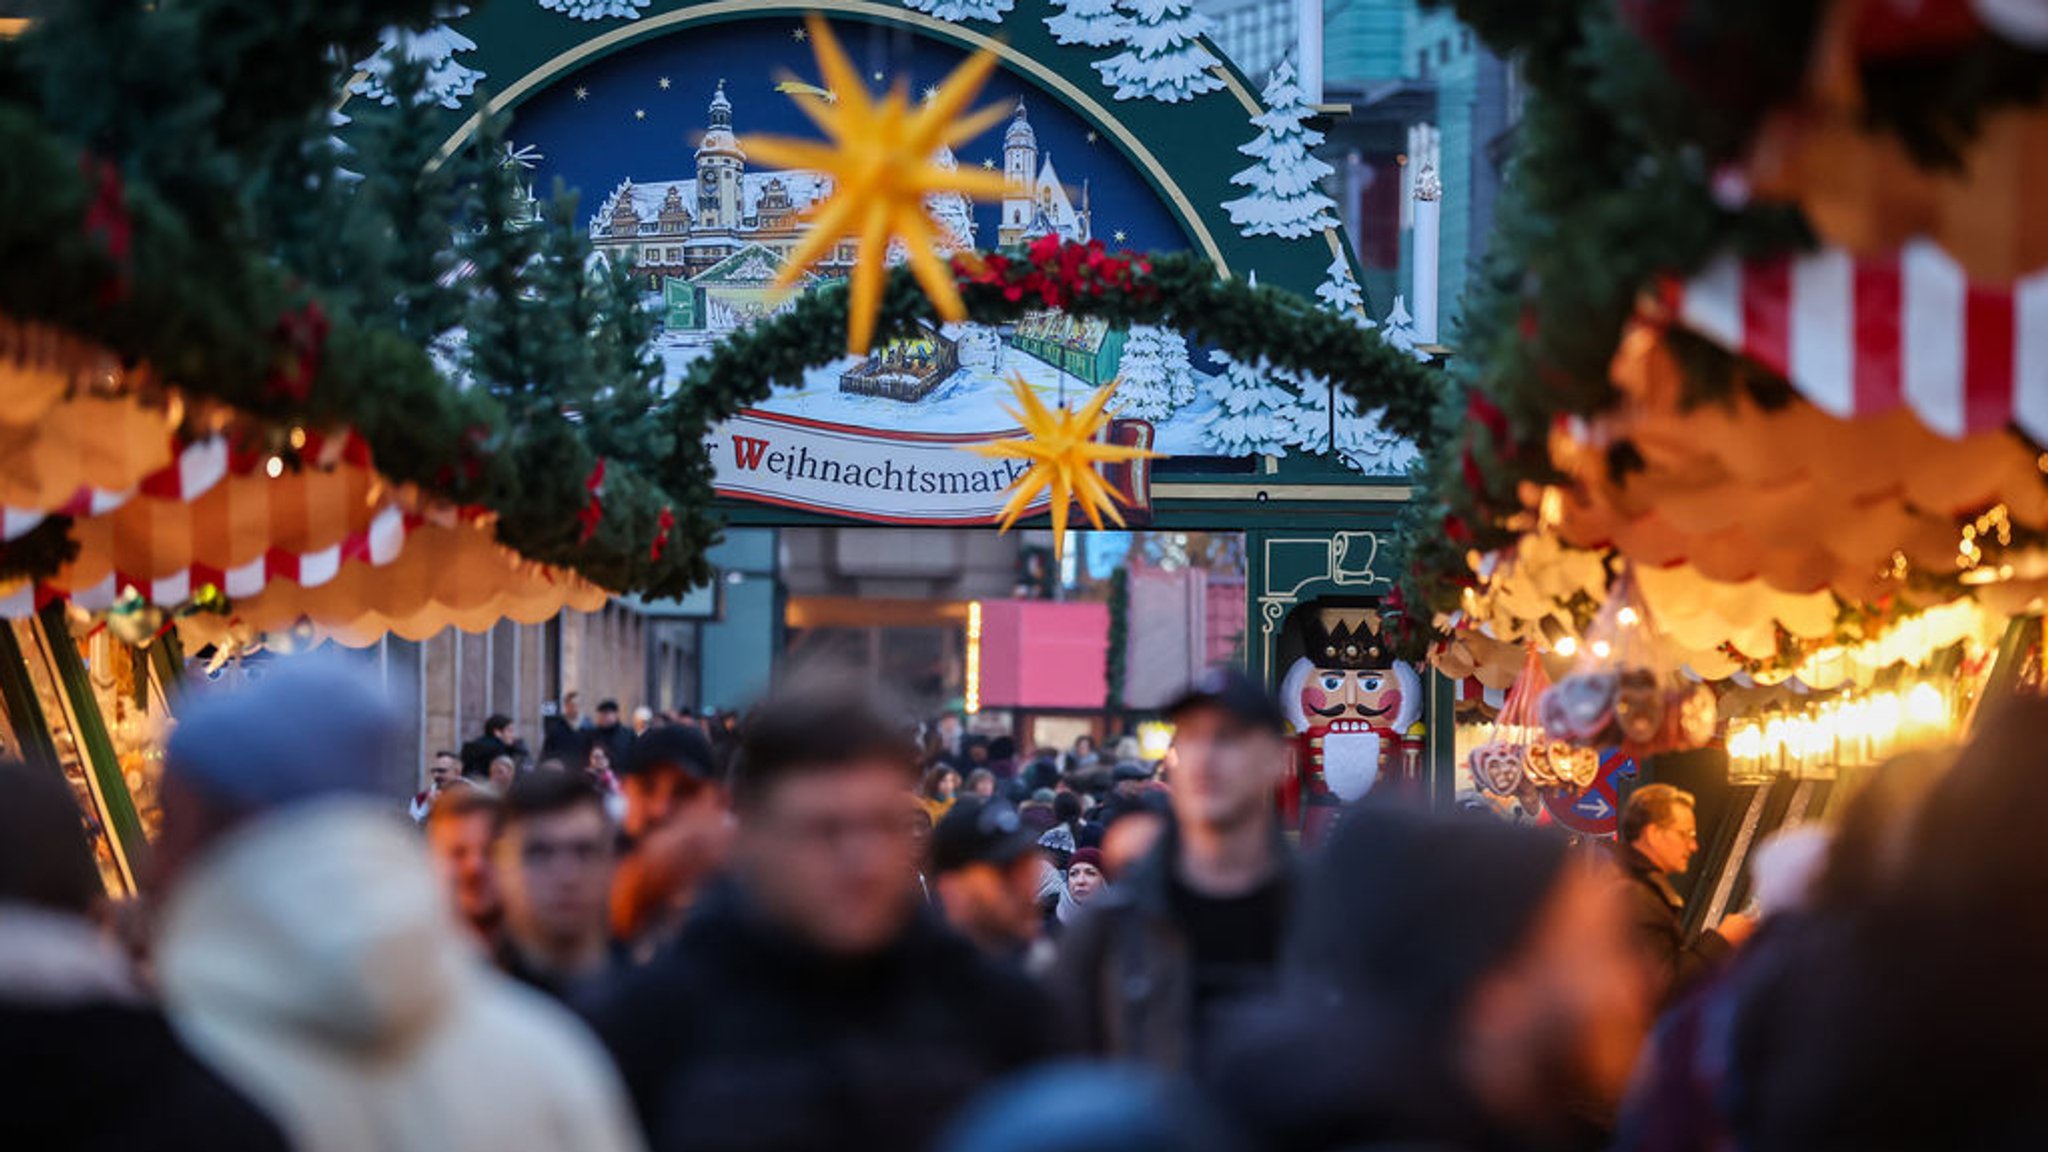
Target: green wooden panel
(94, 744)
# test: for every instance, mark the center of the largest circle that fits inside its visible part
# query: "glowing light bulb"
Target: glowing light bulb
(1568, 646)
(274, 467)
(1627, 616)
(1601, 649)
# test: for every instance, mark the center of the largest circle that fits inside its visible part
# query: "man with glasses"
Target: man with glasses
(1659, 835)
(1195, 929)
(810, 1001)
(554, 858)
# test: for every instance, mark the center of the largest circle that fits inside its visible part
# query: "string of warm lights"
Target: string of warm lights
(1845, 731)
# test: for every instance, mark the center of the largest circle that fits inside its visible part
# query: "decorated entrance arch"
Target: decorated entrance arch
(1161, 230)
(460, 398)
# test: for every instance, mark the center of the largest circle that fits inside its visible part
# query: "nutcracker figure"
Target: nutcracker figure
(1355, 710)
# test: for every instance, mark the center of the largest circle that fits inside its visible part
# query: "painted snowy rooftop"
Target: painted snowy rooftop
(803, 188)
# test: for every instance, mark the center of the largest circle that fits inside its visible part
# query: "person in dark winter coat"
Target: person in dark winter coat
(1453, 985)
(810, 1002)
(1658, 836)
(1195, 929)
(89, 1064)
(500, 738)
(616, 738)
(565, 736)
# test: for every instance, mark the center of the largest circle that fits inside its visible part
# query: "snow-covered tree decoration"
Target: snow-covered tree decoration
(1163, 58)
(1340, 293)
(1400, 329)
(1285, 198)
(446, 82)
(1155, 376)
(958, 10)
(596, 9)
(1251, 409)
(1095, 23)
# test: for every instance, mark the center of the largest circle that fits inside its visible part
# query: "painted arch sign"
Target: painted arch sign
(1124, 126)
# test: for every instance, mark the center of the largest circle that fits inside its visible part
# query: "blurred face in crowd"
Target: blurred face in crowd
(824, 851)
(503, 771)
(446, 767)
(555, 870)
(1224, 770)
(1128, 840)
(1563, 1018)
(600, 760)
(949, 785)
(607, 717)
(984, 785)
(461, 848)
(572, 708)
(1084, 881)
(661, 795)
(994, 904)
(1671, 845)
(920, 827)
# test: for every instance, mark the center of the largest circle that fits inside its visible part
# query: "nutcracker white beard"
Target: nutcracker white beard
(1351, 763)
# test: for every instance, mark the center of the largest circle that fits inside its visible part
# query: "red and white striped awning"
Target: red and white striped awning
(1860, 336)
(197, 468)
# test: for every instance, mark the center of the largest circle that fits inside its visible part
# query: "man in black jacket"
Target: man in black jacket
(1194, 931)
(1658, 836)
(809, 1002)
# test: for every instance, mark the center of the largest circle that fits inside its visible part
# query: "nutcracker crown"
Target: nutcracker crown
(1347, 639)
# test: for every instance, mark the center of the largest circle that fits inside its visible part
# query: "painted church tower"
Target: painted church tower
(719, 165)
(1020, 172)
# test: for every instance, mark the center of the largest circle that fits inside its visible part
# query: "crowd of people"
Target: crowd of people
(831, 927)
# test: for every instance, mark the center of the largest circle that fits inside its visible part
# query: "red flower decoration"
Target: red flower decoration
(107, 220)
(1457, 531)
(303, 334)
(592, 514)
(665, 521)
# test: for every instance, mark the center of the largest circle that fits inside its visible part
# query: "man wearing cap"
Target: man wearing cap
(306, 955)
(990, 873)
(676, 830)
(1194, 931)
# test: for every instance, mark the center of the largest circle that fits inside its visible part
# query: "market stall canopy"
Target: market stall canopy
(1792, 497)
(234, 543)
(1859, 336)
(452, 575)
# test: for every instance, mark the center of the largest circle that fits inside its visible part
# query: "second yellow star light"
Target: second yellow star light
(881, 161)
(1063, 451)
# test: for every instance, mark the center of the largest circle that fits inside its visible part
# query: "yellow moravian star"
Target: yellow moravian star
(881, 161)
(1063, 452)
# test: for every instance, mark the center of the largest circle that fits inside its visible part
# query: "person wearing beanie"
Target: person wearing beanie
(306, 954)
(1083, 882)
(1452, 983)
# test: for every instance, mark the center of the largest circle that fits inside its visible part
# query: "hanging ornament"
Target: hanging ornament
(1063, 450)
(883, 172)
(1623, 692)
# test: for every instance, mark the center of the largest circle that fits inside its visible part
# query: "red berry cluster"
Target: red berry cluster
(1057, 272)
